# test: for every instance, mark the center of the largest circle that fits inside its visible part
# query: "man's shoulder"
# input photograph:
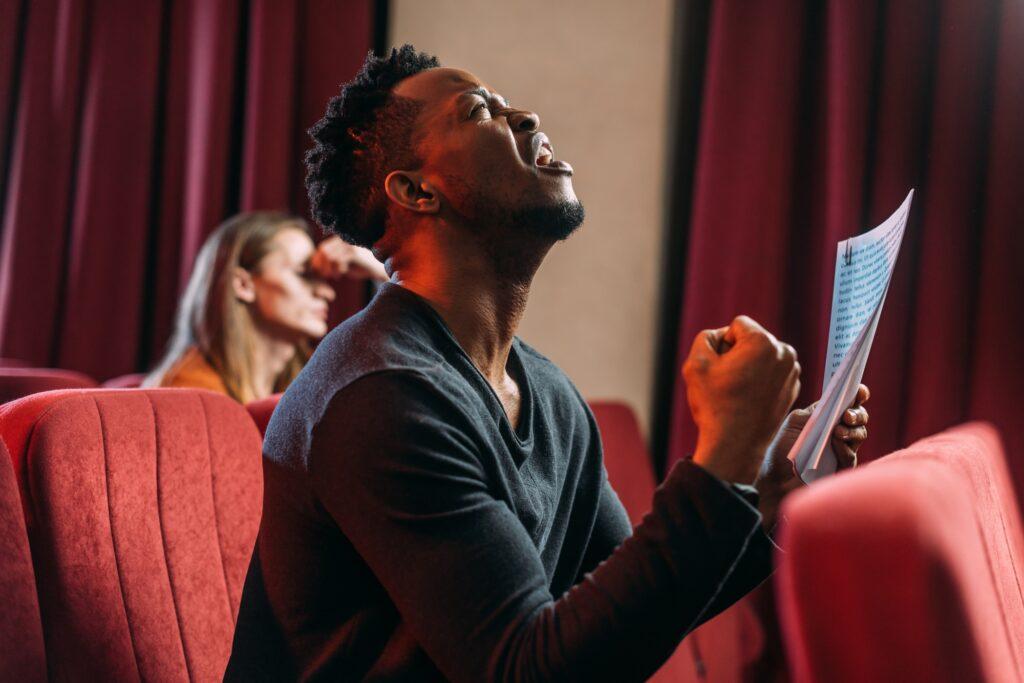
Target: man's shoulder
(386, 335)
(543, 372)
(368, 348)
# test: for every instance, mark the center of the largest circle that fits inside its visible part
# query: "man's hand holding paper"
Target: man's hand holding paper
(741, 381)
(778, 474)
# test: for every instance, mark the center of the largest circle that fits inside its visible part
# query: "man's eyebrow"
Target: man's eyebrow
(486, 95)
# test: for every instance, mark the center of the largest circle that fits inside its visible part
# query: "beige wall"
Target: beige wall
(597, 73)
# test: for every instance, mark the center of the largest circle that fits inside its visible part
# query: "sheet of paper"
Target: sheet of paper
(864, 267)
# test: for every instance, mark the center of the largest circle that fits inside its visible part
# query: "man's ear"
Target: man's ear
(243, 286)
(410, 191)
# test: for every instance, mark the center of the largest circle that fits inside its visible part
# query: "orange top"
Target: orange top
(193, 370)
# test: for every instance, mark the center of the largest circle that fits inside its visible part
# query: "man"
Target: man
(435, 502)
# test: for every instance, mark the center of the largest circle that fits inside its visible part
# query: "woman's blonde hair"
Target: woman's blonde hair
(213, 320)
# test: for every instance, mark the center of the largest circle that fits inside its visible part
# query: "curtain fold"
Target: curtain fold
(130, 131)
(815, 122)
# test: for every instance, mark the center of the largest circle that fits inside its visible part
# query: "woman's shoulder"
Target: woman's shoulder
(193, 370)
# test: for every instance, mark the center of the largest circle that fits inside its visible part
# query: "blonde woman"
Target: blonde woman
(257, 297)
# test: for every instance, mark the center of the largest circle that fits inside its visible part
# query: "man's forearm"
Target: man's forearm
(698, 551)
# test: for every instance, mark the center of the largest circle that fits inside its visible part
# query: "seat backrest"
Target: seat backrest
(142, 507)
(22, 657)
(261, 410)
(626, 457)
(907, 569)
(17, 382)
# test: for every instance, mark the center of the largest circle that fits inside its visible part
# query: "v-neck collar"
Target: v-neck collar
(522, 434)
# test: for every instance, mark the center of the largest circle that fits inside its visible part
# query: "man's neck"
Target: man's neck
(481, 297)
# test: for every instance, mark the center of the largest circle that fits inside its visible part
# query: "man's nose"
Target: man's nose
(523, 121)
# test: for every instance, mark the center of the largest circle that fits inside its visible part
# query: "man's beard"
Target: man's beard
(519, 236)
(547, 222)
(553, 221)
(522, 236)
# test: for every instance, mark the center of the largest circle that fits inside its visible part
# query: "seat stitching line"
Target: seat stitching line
(113, 538)
(213, 499)
(163, 540)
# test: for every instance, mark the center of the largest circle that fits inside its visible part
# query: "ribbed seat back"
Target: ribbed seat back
(143, 508)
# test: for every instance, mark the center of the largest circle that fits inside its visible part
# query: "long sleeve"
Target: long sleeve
(612, 527)
(394, 464)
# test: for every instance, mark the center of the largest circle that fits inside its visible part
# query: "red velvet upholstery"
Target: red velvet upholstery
(625, 456)
(143, 507)
(13, 363)
(261, 411)
(132, 381)
(22, 657)
(908, 569)
(730, 641)
(16, 382)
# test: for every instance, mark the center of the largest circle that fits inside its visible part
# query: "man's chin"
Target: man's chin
(556, 220)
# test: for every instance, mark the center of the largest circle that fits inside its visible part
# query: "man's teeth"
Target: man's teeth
(544, 158)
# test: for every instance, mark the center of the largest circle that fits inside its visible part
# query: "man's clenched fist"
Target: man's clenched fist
(740, 383)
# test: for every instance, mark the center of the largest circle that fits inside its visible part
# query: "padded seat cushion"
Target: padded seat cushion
(143, 508)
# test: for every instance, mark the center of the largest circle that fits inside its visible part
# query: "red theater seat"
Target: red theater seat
(261, 411)
(142, 507)
(908, 569)
(16, 382)
(625, 456)
(22, 657)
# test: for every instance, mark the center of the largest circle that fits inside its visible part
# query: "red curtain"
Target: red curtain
(816, 120)
(128, 131)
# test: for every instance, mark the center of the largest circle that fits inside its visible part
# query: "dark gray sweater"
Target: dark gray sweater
(410, 533)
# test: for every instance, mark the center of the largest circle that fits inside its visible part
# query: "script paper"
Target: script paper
(864, 266)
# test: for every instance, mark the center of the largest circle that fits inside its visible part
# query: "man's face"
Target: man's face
(490, 161)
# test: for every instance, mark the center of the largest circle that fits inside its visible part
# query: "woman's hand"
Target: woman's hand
(334, 257)
(778, 474)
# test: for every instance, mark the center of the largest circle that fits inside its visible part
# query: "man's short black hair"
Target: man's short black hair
(365, 134)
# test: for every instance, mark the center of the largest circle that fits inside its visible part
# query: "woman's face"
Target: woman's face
(290, 302)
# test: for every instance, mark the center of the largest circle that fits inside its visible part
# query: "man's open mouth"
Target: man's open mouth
(544, 156)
